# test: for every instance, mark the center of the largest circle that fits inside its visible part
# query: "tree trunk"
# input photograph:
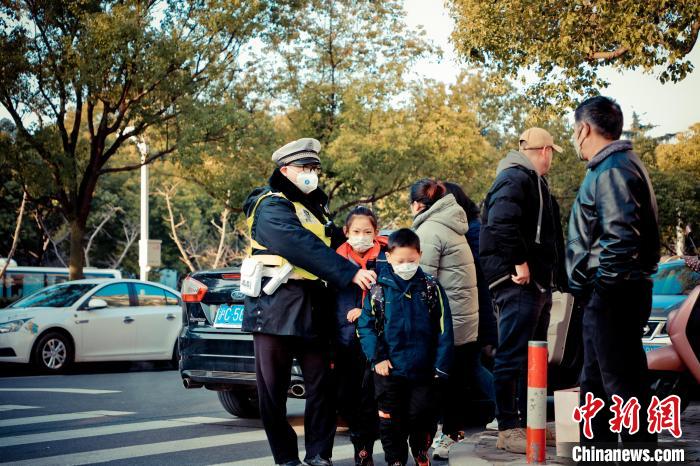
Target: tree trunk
(15, 238)
(77, 234)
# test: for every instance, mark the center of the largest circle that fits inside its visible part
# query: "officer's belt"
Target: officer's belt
(272, 264)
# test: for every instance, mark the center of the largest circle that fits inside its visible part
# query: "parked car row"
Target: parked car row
(92, 320)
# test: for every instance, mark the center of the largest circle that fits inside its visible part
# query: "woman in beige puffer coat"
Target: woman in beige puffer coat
(441, 224)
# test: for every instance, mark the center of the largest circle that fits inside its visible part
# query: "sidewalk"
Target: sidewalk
(479, 449)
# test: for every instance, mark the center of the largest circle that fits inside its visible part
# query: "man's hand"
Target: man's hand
(522, 274)
(354, 314)
(382, 368)
(365, 278)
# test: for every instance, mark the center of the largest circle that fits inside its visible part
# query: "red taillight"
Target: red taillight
(192, 290)
(231, 276)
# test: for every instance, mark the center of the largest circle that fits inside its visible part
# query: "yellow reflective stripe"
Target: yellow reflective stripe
(442, 312)
(307, 220)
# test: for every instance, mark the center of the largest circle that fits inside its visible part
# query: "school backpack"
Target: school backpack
(377, 298)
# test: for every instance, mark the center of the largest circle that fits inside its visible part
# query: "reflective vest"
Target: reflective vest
(307, 220)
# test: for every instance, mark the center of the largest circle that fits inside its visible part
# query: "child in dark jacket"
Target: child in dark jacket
(353, 375)
(406, 332)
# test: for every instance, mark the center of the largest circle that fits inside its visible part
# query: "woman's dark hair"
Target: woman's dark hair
(472, 210)
(403, 238)
(363, 211)
(427, 191)
(604, 114)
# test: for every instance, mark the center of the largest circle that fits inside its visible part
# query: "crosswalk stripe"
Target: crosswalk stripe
(77, 391)
(136, 451)
(108, 430)
(340, 453)
(23, 421)
(4, 408)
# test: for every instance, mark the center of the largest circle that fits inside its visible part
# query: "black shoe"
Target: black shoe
(291, 463)
(318, 461)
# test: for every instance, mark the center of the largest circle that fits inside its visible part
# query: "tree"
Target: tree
(567, 42)
(677, 187)
(76, 73)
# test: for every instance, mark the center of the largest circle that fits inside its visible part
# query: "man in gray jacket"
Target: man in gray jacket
(521, 252)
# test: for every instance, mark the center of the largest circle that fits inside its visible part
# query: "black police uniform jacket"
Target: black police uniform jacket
(613, 228)
(299, 307)
(518, 205)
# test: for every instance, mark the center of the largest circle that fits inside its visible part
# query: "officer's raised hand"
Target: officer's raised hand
(365, 279)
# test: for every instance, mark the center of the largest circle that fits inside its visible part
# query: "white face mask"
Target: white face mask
(306, 182)
(361, 243)
(406, 270)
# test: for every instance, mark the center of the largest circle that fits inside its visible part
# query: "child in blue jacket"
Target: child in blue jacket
(356, 402)
(406, 333)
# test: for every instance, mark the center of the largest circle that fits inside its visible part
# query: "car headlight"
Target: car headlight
(12, 326)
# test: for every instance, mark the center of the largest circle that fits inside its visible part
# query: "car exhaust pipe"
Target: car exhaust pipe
(297, 390)
(188, 383)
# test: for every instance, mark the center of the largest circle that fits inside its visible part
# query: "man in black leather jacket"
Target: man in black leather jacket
(289, 222)
(612, 251)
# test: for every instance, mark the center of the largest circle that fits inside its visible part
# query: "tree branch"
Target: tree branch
(608, 55)
(15, 237)
(113, 210)
(369, 199)
(167, 194)
(148, 160)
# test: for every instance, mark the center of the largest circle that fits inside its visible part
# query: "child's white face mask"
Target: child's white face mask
(361, 243)
(406, 270)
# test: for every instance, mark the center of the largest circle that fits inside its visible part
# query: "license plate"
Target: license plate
(229, 316)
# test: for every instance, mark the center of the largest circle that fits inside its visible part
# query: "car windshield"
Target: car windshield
(62, 295)
(675, 280)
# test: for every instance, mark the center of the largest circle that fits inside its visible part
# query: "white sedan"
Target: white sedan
(92, 320)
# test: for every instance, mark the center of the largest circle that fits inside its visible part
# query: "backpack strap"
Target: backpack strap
(377, 299)
(432, 293)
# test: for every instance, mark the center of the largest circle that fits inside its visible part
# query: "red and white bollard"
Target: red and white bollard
(536, 402)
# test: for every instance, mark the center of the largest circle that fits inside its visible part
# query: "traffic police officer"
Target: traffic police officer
(289, 225)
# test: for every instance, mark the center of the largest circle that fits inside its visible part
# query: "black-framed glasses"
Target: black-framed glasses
(314, 167)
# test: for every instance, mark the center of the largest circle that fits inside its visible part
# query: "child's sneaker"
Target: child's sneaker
(436, 440)
(442, 450)
(493, 425)
(363, 458)
(422, 459)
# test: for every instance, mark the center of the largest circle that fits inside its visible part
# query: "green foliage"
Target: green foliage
(566, 42)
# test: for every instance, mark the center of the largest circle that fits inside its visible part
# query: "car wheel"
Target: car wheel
(667, 384)
(240, 403)
(53, 352)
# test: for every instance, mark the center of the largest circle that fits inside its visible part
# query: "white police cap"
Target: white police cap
(301, 151)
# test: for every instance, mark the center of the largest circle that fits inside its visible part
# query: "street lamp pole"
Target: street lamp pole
(143, 240)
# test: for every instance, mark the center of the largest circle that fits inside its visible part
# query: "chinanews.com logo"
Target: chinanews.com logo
(661, 415)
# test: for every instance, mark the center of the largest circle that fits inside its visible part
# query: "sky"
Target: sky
(672, 107)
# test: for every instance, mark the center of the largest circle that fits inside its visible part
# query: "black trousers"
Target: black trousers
(406, 412)
(355, 389)
(463, 375)
(273, 366)
(523, 315)
(614, 362)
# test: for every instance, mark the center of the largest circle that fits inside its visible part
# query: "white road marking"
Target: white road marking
(136, 451)
(4, 408)
(340, 453)
(23, 421)
(79, 391)
(108, 430)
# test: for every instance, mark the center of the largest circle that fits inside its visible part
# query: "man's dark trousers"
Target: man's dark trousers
(523, 315)
(614, 362)
(273, 366)
(406, 411)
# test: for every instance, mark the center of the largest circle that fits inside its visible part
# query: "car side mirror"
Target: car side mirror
(96, 303)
